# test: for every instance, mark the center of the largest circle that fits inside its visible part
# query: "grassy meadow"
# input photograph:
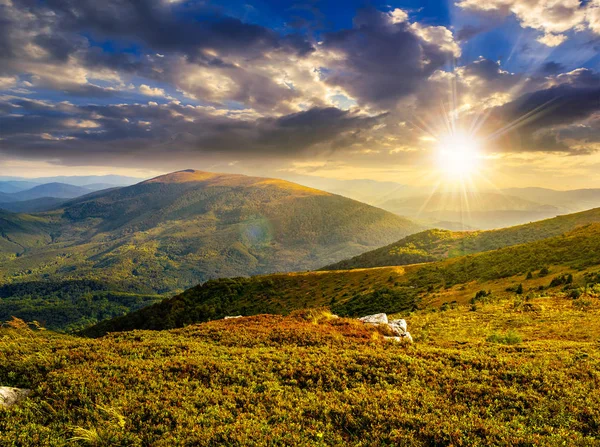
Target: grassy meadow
(512, 370)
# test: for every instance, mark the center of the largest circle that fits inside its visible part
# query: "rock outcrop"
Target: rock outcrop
(398, 327)
(375, 319)
(11, 396)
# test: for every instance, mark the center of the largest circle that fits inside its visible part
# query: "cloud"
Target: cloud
(382, 58)
(116, 133)
(542, 117)
(552, 40)
(153, 91)
(552, 17)
(241, 91)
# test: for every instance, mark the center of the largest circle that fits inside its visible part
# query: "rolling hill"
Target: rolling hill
(433, 245)
(177, 230)
(365, 291)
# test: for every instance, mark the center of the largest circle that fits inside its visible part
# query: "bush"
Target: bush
(544, 272)
(510, 338)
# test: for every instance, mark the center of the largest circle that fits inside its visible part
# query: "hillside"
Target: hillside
(33, 205)
(365, 291)
(510, 372)
(432, 245)
(20, 232)
(177, 230)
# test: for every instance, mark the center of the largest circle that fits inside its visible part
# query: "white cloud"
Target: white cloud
(398, 15)
(553, 17)
(153, 91)
(7, 82)
(552, 40)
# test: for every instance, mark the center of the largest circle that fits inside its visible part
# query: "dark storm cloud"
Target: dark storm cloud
(51, 39)
(187, 27)
(382, 60)
(91, 133)
(541, 117)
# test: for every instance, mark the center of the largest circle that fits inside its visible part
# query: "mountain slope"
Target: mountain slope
(20, 232)
(33, 205)
(57, 190)
(180, 229)
(362, 291)
(432, 245)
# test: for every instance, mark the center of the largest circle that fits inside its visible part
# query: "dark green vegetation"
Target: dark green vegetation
(33, 205)
(498, 376)
(178, 230)
(19, 233)
(364, 291)
(432, 245)
(68, 305)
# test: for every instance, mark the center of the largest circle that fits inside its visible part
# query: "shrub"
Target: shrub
(510, 338)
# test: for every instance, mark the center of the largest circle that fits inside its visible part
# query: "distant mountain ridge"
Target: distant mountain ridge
(183, 228)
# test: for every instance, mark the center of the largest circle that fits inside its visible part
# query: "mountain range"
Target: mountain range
(177, 230)
(459, 209)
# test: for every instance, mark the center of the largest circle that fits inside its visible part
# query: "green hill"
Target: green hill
(364, 291)
(432, 245)
(180, 229)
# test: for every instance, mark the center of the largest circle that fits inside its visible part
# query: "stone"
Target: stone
(11, 396)
(396, 330)
(375, 319)
(400, 324)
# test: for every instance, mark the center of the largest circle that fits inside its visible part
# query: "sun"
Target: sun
(458, 155)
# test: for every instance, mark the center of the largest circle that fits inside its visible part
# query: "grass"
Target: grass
(309, 379)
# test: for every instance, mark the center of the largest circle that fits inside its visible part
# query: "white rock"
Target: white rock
(396, 330)
(400, 323)
(229, 317)
(375, 319)
(11, 396)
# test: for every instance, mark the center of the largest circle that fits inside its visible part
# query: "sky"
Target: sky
(502, 92)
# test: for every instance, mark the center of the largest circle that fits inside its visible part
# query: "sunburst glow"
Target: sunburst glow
(458, 155)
